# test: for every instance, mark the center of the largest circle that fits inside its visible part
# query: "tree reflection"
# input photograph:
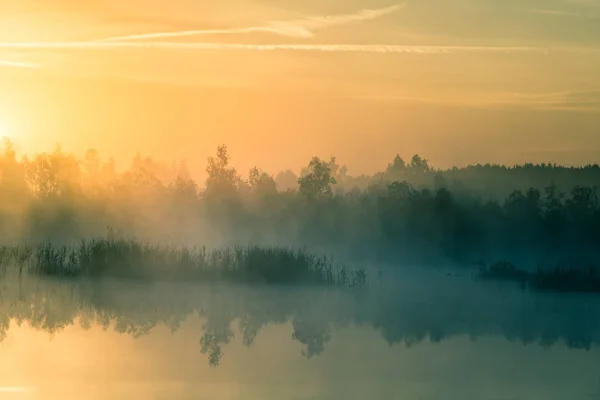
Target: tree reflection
(313, 314)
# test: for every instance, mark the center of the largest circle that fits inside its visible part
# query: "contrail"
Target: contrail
(301, 28)
(15, 389)
(553, 12)
(4, 63)
(328, 48)
(573, 100)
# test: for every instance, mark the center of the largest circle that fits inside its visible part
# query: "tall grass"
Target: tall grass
(129, 258)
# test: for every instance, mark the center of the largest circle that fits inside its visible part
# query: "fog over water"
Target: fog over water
(415, 283)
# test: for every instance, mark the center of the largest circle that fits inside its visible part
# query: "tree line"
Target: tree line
(410, 212)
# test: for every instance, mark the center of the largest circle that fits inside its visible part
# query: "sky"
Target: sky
(280, 81)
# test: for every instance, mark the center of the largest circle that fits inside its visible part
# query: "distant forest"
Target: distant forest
(409, 213)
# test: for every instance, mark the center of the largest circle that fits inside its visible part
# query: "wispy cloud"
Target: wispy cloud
(557, 13)
(329, 48)
(300, 28)
(15, 389)
(16, 64)
(566, 100)
(588, 101)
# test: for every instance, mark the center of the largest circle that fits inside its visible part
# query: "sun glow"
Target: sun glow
(4, 131)
(7, 131)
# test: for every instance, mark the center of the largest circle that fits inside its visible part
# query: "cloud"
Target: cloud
(16, 64)
(15, 389)
(560, 13)
(557, 13)
(328, 48)
(301, 28)
(566, 101)
(582, 101)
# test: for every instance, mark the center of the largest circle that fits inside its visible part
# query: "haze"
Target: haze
(280, 81)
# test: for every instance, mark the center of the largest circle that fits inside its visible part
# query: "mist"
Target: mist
(409, 213)
(311, 278)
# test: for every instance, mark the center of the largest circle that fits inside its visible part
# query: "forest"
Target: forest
(410, 213)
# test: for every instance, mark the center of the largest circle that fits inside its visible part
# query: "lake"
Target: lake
(424, 336)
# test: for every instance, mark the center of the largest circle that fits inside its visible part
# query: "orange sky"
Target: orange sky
(279, 81)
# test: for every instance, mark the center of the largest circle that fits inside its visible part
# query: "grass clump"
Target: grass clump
(557, 279)
(505, 271)
(129, 258)
(567, 280)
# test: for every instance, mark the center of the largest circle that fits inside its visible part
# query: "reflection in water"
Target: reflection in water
(162, 335)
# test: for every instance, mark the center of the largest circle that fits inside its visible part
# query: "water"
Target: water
(417, 338)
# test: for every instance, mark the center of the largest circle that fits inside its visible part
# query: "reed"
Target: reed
(129, 258)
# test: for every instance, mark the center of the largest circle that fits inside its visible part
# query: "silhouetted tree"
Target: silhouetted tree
(318, 180)
(286, 180)
(418, 164)
(222, 179)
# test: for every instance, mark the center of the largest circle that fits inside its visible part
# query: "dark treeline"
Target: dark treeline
(411, 212)
(427, 309)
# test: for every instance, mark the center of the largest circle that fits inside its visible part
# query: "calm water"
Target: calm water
(419, 338)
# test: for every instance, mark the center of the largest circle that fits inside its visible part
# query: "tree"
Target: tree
(260, 182)
(222, 180)
(439, 182)
(582, 203)
(555, 217)
(54, 174)
(396, 168)
(318, 179)
(582, 208)
(418, 164)
(13, 183)
(286, 180)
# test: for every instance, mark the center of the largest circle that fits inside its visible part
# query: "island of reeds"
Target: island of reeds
(114, 257)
